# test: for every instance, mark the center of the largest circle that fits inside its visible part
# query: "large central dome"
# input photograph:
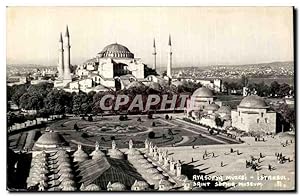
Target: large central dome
(116, 51)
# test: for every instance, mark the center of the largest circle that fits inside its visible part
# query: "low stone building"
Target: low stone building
(254, 115)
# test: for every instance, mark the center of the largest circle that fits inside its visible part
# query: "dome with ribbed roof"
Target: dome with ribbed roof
(253, 101)
(50, 139)
(116, 154)
(116, 51)
(92, 187)
(139, 186)
(117, 186)
(80, 155)
(203, 92)
(97, 153)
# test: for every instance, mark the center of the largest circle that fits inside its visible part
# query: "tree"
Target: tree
(84, 135)
(288, 114)
(76, 128)
(150, 116)
(151, 135)
(274, 88)
(17, 92)
(244, 81)
(219, 122)
(284, 89)
(90, 118)
(149, 71)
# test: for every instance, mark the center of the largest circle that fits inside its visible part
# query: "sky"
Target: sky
(200, 35)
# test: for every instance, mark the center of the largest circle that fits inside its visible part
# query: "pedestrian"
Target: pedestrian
(260, 155)
(270, 167)
(231, 150)
(192, 159)
(222, 164)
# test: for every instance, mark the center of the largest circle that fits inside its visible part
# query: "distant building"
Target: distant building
(16, 80)
(112, 69)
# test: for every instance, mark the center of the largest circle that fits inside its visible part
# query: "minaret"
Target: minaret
(60, 67)
(67, 63)
(169, 66)
(154, 55)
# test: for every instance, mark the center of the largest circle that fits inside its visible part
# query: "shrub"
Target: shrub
(167, 117)
(90, 118)
(151, 135)
(84, 135)
(76, 127)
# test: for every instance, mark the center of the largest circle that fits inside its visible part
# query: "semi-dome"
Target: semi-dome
(177, 83)
(135, 84)
(139, 186)
(203, 92)
(224, 109)
(92, 187)
(116, 154)
(213, 107)
(80, 155)
(50, 139)
(117, 186)
(253, 101)
(116, 51)
(155, 86)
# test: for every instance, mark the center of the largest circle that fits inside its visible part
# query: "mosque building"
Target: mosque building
(251, 115)
(62, 169)
(113, 68)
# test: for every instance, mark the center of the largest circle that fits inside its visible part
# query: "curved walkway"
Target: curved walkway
(183, 141)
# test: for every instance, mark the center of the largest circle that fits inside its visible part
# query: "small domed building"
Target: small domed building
(200, 98)
(254, 115)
